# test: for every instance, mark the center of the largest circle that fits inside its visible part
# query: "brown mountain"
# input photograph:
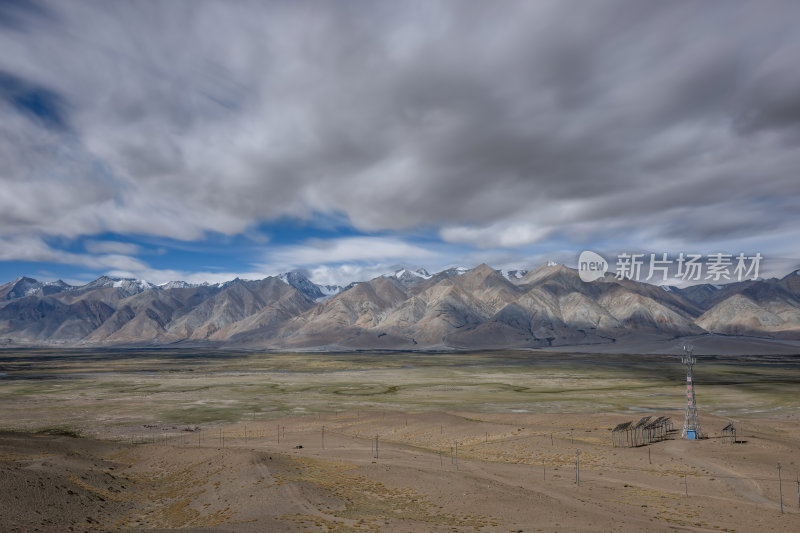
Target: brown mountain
(343, 319)
(478, 308)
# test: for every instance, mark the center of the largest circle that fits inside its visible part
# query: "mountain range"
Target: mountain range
(409, 309)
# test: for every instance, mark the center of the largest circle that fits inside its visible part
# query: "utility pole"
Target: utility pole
(376, 446)
(578, 467)
(780, 489)
(685, 484)
(456, 455)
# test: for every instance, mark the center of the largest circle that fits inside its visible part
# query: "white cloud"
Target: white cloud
(343, 260)
(184, 118)
(112, 247)
(344, 274)
(27, 248)
(349, 249)
(499, 234)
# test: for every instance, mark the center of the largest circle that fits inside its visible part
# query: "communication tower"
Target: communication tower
(691, 424)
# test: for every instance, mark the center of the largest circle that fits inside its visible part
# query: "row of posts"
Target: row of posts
(454, 460)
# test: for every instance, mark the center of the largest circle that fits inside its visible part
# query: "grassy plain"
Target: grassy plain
(208, 441)
(98, 392)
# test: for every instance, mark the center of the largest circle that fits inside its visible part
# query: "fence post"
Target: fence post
(798, 492)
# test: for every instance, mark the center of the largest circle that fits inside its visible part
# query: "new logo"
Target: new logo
(591, 266)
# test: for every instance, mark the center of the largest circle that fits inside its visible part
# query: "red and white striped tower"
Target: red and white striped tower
(691, 424)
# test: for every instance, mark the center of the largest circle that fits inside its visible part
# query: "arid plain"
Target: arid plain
(242, 441)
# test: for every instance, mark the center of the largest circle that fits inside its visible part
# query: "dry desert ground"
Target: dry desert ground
(308, 460)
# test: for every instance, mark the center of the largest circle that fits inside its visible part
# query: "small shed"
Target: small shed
(729, 432)
(621, 435)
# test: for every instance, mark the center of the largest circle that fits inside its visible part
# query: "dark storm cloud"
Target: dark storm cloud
(496, 123)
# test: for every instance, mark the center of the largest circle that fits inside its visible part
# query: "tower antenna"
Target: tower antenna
(691, 423)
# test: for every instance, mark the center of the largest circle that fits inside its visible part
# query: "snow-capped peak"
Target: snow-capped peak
(408, 276)
(418, 273)
(26, 286)
(128, 284)
(455, 271)
(176, 285)
(329, 290)
(513, 275)
(299, 280)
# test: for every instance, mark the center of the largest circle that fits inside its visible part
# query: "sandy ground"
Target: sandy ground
(515, 472)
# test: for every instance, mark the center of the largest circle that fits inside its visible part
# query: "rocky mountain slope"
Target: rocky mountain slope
(409, 309)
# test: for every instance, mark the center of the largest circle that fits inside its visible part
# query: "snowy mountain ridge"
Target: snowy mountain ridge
(407, 309)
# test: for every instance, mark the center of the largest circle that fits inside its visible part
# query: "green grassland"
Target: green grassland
(102, 389)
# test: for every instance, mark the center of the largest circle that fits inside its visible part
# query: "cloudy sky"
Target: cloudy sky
(204, 140)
